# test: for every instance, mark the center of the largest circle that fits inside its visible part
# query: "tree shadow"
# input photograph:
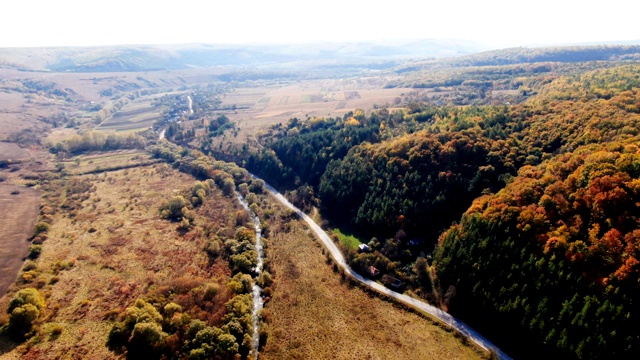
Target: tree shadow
(7, 344)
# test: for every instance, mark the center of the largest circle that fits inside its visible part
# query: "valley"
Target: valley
(410, 197)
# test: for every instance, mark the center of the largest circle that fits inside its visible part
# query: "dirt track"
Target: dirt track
(17, 219)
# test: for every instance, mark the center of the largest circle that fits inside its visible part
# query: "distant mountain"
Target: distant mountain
(172, 57)
(522, 55)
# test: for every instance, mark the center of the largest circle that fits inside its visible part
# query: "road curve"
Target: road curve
(454, 323)
(190, 102)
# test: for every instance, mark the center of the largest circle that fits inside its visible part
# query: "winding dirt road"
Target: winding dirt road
(456, 324)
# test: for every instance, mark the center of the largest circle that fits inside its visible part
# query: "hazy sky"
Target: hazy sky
(496, 23)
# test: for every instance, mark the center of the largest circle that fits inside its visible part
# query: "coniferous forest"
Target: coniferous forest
(520, 217)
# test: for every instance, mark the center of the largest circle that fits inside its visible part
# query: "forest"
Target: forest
(519, 216)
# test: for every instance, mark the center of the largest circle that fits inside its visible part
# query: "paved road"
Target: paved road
(190, 104)
(456, 324)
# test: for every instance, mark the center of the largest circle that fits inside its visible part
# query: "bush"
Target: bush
(34, 251)
(213, 248)
(173, 209)
(147, 339)
(24, 309)
(41, 227)
(55, 331)
(228, 186)
(244, 262)
(139, 332)
(199, 193)
(265, 280)
(211, 290)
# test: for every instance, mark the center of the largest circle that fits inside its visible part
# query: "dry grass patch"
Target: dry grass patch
(60, 134)
(11, 151)
(104, 161)
(315, 314)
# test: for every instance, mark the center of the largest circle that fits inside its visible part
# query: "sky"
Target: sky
(493, 23)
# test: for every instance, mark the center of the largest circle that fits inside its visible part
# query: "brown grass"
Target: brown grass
(93, 163)
(11, 151)
(16, 226)
(314, 314)
(106, 248)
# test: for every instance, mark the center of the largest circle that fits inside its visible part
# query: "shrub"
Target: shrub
(211, 290)
(244, 262)
(265, 280)
(173, 209)
(171, 308)
(34, 251)
(213, 248)
(257, 186)
(29, 265)
(243, 189)
(199, 193)
(139, 332)
(24, 309)
(147, 339)
(55, 331)
(41, 227)
(228, 186)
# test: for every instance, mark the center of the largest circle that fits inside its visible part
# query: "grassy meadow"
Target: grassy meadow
(348, 241)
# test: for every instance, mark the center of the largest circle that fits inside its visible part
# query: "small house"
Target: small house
(391, 282)
(373, 271)
(363, 248)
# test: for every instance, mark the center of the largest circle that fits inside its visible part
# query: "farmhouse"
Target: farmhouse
(363, 248)
(373, 271)
(391, 282)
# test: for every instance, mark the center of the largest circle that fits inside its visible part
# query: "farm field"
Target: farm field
(138, 115)
(259, 107)
(314, 314)
(20, 210)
